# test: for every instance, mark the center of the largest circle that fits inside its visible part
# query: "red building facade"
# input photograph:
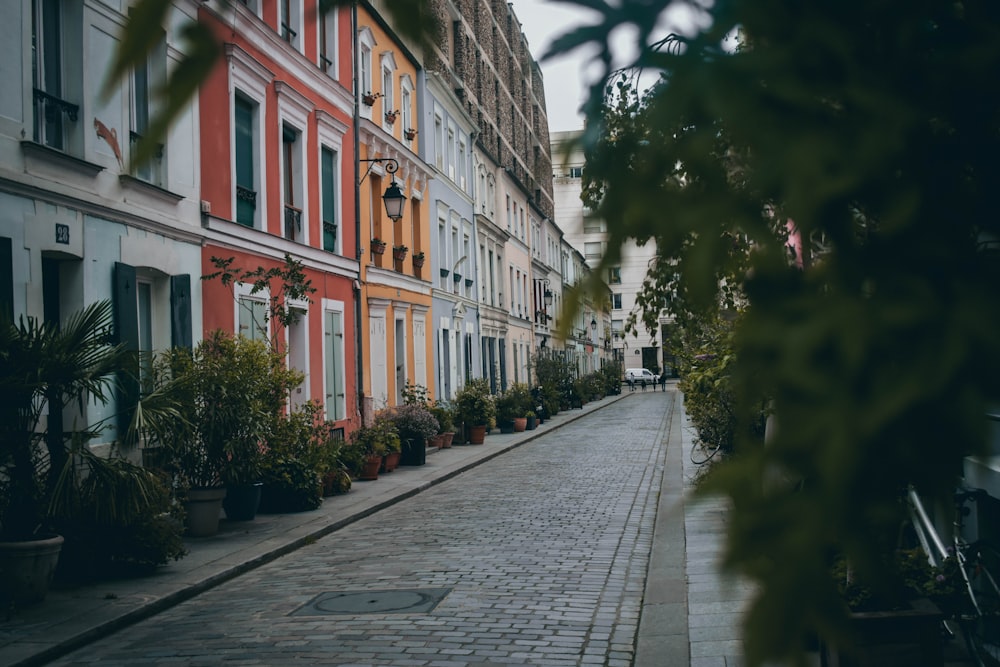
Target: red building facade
(277, 180)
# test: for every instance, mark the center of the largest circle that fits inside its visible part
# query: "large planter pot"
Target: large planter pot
(532, 423)
(242, 501)
(901, 638)
(506, 427)
(520, 424)
(203, 509)
(414, 452)
(336, 482)
(391, 461)
(446, 439)
(477, 434)
(369, 471)
(26, 569)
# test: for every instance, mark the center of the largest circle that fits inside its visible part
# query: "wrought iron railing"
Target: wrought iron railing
(49, 112)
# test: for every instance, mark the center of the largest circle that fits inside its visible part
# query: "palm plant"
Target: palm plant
(44, 366)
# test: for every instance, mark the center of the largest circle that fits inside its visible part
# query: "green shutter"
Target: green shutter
(6, 278)
(329, 200)
(126, 333)
(180, 311)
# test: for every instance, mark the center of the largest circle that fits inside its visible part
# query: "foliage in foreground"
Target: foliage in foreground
(836, 173)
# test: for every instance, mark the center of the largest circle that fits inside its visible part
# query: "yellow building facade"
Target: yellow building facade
(395, 289)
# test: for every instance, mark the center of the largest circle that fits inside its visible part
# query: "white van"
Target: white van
(639, 374)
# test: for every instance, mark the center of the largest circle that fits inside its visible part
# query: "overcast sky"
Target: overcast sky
(566, 78)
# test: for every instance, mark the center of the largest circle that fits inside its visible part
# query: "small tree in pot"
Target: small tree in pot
(475, 407)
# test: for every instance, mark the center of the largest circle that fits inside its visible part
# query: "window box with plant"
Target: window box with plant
(368, 98)
(391, 116)
(378, 246)
(418, 259)
(399, 252)
(410, 134)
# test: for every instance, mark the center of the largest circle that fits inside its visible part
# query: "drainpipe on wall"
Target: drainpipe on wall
(358, 341)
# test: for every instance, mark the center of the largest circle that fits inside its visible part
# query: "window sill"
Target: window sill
(36, 151)
(162, 194)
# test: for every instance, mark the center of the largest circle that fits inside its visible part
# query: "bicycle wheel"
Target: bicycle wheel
(983, 629)
(702, 454)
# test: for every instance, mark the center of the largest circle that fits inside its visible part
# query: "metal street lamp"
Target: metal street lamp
(593, 324)
(393, 198)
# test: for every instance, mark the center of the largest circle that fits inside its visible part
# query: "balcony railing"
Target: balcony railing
(287, 33)
(49, 113)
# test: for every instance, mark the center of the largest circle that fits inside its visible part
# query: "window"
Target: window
(594, 226)
(576, 172)
(246, 178)
(450, 152)
(438, 143)
(290, 21)
(328, 192)
(405, 102)
(333, 362)
(510, 220)
(388, 65)
(618, 326)
(615, 275)
(462, 168)
(593, 249)
(291, 182)
(366, 86)
(327, 40)
(365, 80)
(253, 317)
(145, 79)
(55, 116)
(616, 301)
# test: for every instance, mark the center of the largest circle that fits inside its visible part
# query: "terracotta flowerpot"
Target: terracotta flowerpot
(26, 569)
(203, 508)
(477, 434)
(392, 461)
(446, 439)
(520, 424)
(370, 469)
(378, 248)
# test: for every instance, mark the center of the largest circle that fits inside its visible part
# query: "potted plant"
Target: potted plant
(896, 624)
(389, 441)
(410, 134)
(446, 424)
(475, 408)
(43, 366)
(366, 450)
(399, 252)
(378, 246)
(418, 259)
(391, 116)
(368, 98)
(415, 425)
(506, 405)
(521, 398)
(532, 420)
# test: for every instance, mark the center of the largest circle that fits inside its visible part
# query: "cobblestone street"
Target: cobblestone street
(540, 555)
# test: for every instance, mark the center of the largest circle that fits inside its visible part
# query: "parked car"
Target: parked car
(640, 374)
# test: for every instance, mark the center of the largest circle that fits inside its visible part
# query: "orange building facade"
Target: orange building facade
(395, 280)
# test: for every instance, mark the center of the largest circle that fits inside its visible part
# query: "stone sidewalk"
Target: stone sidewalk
(71, 618)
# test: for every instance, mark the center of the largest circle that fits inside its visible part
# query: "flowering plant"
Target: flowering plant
(911, 577)
(414, 421)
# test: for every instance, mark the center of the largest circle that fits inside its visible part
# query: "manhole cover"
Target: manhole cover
(417, 601)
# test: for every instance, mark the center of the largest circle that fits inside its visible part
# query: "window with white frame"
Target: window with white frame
(616, 300)
(147, 78)
(252, 315)
(449, 151)
(252, 5)
(290, 21)
(438, 142)
(327, 34)
(293, 111)
(593, 249)
(406, 102)
(388, 72)
(330, 133)
(462, 164)
(334, 367)
(593, 225)
(443, 251)
(366, 85)
(249, 81)
(56, 75)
